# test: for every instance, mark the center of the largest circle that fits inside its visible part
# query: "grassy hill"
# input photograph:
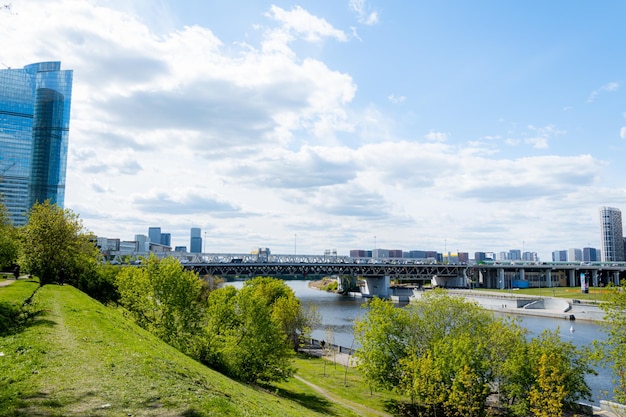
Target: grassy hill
(76, 357)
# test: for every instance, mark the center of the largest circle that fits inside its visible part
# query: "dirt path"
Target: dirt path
(6, 282)
(357, 408)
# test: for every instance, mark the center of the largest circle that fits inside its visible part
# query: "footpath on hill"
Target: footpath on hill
(77, 357)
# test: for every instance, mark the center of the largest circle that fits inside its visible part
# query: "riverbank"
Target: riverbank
(551, 307)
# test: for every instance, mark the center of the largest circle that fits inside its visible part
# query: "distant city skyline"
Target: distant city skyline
(585, 254)
(443, 126)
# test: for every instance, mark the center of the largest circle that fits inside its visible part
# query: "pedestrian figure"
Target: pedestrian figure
(16, 271)
(323, 343)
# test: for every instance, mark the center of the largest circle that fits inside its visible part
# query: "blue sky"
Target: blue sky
(451, 125)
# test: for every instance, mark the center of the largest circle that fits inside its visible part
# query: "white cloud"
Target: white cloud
(609, 87)
(361, 9)
(396, 99)
(257, 141)
(622, 133)
(436, 136)
(538, 142)
(301, 22)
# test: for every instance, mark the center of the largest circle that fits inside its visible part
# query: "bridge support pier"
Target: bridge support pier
(616, 277)
(572, 277)
(548, 279)
(377, 287)
(594, 278)
(501, 283)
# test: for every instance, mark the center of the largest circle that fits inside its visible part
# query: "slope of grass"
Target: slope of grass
(347, 385)
(78, 357)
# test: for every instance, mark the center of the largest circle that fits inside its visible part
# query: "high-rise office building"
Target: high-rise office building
(154, 235)
(612, 236)
(166, 239)
(559, 256)
(591, 255)
(35, 106)
(195, 244)
(574, 255)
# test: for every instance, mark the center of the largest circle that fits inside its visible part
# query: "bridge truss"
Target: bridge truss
(403, 272)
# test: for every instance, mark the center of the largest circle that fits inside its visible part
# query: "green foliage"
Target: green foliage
(163, 298)
(612, 351)
(9, 244)
(294, 319)
(547, 395)
(99, 282)
(330, 287)
(54, 245)
(382, 334)
(448, 355)
(251, 332)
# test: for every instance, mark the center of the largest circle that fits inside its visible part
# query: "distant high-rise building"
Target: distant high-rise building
(480, 256)
(142, 243)
(591, 255)
(611, 234)
(35, 106)
(154, 235)
(530, 256)
(559, 256)
(515, 254)
(166, 239)
(574, 255)
(195, 244)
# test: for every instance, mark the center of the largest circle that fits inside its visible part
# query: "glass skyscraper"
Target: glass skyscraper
(612, 235)
(195, 244)
(35, 106)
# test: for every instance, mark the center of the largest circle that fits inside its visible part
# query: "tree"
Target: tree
(9, 247)
(613, 350)
(546, 372)
(163, 298)
(54, 242)
(447, 355)
(547, 395)
(246, 340)
(287, 311)
(382, 334)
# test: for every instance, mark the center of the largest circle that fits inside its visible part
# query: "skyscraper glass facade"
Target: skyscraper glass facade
(195, 243)
(611, 234)
(35, 106)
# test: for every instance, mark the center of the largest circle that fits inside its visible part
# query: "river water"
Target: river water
(338, 314)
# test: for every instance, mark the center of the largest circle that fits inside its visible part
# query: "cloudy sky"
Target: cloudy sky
(339, 124)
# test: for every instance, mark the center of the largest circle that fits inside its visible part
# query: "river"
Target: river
(338, 314)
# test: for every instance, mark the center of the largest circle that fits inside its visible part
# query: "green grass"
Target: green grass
(18, 292)
(349, 387)
(595, 294)
(77, 357)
